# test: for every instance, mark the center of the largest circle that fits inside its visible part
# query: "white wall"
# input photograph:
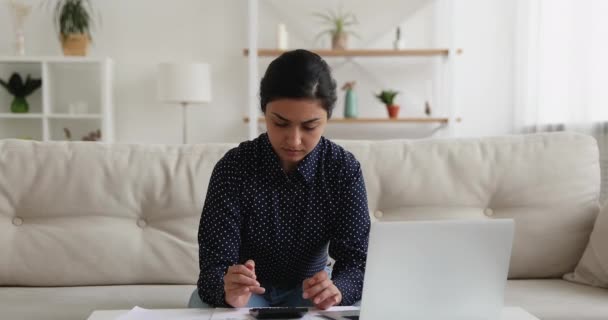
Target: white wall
(138, 34)
(484, 86)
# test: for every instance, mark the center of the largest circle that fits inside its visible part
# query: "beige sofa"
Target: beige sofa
(87, 226)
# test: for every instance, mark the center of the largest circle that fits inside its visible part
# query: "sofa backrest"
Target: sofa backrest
(95, 214)
(548, 183)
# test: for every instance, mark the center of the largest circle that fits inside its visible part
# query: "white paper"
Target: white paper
(231, 314)
(138, 313)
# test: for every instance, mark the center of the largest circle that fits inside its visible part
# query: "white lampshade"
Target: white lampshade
(184, 83)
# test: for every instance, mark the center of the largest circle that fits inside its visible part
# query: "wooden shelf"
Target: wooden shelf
(362, 52)
(376, 120)
(51, 59)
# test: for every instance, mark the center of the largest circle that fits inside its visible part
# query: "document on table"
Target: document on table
(138, 313)
(335, 313)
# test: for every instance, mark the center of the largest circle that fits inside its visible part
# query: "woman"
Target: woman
(277, 204)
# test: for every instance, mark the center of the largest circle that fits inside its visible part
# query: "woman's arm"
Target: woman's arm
(348, 244)
(219, 235)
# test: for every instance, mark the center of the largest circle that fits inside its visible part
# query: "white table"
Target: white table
(508, 313)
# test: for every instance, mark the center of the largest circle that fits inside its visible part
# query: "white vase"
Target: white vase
(398, 44)
(19, 13)
(19, 43)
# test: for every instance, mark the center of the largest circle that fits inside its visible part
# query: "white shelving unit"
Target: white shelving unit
(66, 81)
(442, 58)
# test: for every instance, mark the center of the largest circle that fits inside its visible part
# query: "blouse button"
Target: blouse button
(17, 221)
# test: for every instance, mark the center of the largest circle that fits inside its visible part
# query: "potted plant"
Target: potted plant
(73, 19)
(338, 24)
(20, 91)
(387, 97)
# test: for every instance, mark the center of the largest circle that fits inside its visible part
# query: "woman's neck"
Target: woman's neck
(288, 167)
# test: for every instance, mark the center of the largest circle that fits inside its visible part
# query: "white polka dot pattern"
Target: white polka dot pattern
(284, 222)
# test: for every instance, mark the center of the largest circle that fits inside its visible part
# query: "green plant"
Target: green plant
(387, 97)
(20, 90)
(73, 17)
(337, 21)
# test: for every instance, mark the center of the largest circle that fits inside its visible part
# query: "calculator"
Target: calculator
(278, 312)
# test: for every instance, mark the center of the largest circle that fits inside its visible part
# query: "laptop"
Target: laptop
(442, 269)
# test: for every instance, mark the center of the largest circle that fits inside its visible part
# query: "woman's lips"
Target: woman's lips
(292, 152)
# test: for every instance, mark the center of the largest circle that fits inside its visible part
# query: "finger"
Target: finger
(312, 292)
(257, 290)
(250, 264)
(306, 284)
(318, 277)
(238, 291)
(324, 295)
(241, 269)
(328, 303)
(240, 279)
(233, 286)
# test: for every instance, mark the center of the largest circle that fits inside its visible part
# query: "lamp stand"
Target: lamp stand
(184, 123)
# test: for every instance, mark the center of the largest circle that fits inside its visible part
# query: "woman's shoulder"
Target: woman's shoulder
(338, 157)
(241, 157)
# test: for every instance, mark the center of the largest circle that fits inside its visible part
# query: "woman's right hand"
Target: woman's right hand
(240, 282)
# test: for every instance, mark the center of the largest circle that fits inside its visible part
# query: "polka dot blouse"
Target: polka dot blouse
(286, 223)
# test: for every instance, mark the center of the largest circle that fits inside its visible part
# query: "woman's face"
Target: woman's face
(294, 127)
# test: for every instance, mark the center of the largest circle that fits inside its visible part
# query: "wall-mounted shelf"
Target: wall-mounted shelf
(377, 120)
(433, 61)
(363, 52)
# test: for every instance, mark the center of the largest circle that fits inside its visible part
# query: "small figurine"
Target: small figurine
(398, 44)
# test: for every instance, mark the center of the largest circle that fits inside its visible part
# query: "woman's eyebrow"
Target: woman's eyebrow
(279, 116)
(311, 120)
(287, 120)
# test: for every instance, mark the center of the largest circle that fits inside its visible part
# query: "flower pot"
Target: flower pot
(393, 111)
(75, 44)
(20, 105)
(339, 41)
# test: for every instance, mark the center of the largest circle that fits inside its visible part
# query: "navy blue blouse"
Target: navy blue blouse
(284, 222)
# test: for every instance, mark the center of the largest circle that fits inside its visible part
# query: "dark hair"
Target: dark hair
(299, 74)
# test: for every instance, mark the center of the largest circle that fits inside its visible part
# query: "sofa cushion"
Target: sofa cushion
(548, 183)
(77, 303)
(593, 267)
(558, 299)
(74, 214)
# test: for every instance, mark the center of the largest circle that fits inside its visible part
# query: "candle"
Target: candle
(282, 37)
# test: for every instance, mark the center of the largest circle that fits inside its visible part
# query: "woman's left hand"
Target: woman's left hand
(321, 291)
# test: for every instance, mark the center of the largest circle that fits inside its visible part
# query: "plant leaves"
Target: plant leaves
(16, 84)
(18, 88)
(74, 16)
(387, 97)
(6, 86)
(338, 20)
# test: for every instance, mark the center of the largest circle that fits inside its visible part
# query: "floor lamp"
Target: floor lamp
(184, 84)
